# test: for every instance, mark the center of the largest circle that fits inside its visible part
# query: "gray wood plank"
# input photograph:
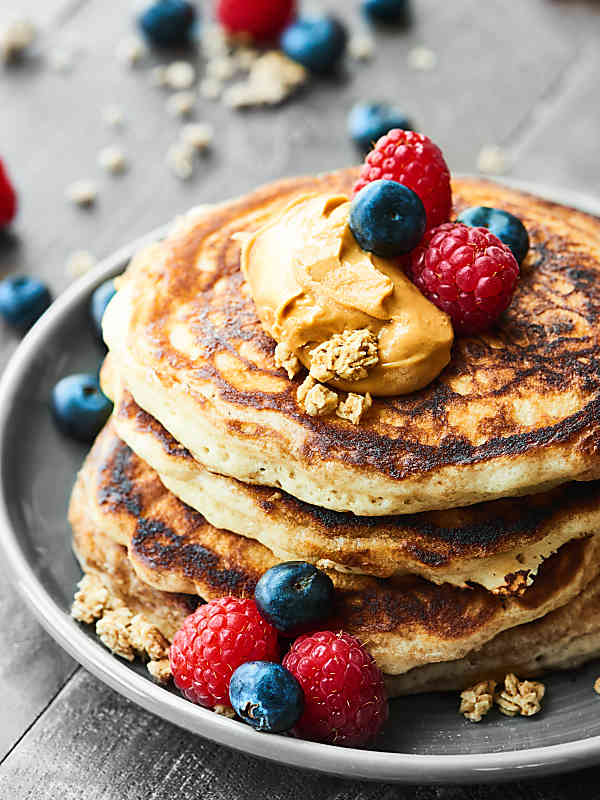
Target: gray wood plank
(508, 73)
(92, 744)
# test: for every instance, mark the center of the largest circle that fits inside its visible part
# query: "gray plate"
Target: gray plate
(425, 740)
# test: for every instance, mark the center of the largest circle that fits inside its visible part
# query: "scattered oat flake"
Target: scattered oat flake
(181, 104)
(210, 88)
(180, 75)
(361, 46)
(491, 160)
(131, 51)
(15, 38)
(160, 670)
(82, 193)
(272, 78)
(422, 59)
(180, 160)
(113, 160)
(222, 68)
(80, 262)
(198, 135)
(245, 58)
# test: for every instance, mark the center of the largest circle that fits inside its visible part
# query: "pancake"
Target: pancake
(517, 411)
(564, 639)
(405, 621)
(498, 545)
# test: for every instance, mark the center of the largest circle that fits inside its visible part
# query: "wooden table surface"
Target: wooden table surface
(520, 75)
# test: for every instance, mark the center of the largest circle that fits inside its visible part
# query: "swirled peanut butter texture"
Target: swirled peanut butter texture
(310, 280)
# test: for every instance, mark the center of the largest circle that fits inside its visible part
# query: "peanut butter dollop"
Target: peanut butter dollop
(310, 280)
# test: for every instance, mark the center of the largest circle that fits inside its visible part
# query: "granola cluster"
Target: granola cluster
(319, 401)
(346, 356)
(126, 634)
(287, 360)
(514, 698)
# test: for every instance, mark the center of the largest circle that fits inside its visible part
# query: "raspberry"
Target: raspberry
(467, 272)
(262, 19)
(415, 161)
(344, 693)
(213, 642)
(8, 199)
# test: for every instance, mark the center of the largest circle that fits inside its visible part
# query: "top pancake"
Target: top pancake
(515, 412)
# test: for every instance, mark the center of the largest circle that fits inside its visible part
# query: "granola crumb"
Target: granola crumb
(82, 193)
(146, 639)
(271, 79)
(597, 685)
(221, 68)
(113, 631)
(354, 407)
(285, 359)
(316, 399)
(476, 701)
(15, 39)
(520, 697)
(112, 159)
(90, 601)
(160, 670)
(80, 262)
(224, 711)
(347, 356)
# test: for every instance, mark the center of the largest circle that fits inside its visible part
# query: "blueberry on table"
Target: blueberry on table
(317, 42)
(101, 297)
(508, 228)
(294, 596)
(266, 696)
(387, 218)
(391, 12)
(167, 23)
(23, 300)
(368, 122)
(79, 407)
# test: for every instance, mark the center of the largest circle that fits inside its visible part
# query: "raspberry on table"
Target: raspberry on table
(261, 19)
(344, 693)
(213, 642)
(414, 160)
(467, 272)
(8, 198)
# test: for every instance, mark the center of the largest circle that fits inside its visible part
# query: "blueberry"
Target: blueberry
(508, 228)
(266, 696)
(294, 595)
(318, 42)
(23, 300)
(103, 294)
(167, 23)
(368, 122)
(394, 12)
(387, 218)
(79, 407)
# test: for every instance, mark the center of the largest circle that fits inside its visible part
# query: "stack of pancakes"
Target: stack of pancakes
(458, 523)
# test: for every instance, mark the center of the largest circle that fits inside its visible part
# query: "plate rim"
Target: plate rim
(351, 763)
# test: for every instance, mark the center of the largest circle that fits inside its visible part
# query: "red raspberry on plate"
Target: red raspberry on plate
(213, 642)
(415, 161)
(345, 701)
(467, 272)
(8, 199)
(262, 19)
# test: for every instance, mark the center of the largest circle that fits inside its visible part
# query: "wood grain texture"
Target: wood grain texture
(521, 75)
